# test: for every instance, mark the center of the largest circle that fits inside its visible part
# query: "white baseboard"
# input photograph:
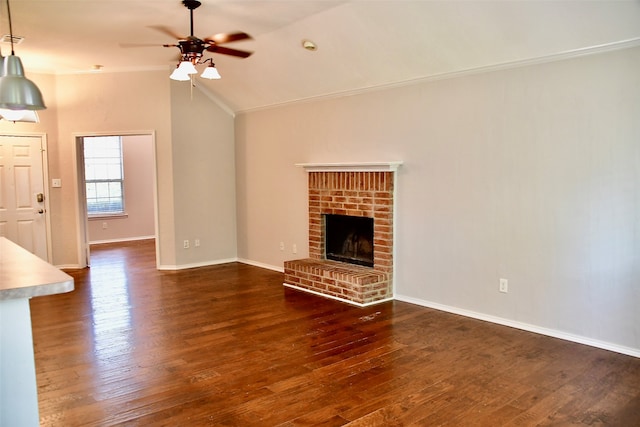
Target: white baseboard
(524, 326)
(196, 264)
(125, 239)
(69, 267)
(222, 261)
(261, 265)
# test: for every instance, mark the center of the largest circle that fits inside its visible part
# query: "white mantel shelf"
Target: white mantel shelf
(351, 167)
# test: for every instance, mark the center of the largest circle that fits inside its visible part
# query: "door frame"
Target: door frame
(44, 163)
(84, 255)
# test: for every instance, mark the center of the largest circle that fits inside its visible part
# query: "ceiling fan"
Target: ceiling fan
(192, 47)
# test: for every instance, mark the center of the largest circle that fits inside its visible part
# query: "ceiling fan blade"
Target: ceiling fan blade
(227, 51)
(227, 37)
(168, 31)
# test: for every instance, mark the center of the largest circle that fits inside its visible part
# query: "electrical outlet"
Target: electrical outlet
(105, 225)
(504, 286)
(294, 248)
(185, 244)
(196, 243)
(282, 246)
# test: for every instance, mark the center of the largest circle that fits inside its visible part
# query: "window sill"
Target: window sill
(108, 216)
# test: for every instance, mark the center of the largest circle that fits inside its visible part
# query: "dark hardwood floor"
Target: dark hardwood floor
(228, 345)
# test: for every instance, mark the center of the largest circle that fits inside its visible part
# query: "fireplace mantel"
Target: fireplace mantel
(351, 167)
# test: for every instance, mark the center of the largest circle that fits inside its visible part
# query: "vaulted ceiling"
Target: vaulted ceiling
(361, 44)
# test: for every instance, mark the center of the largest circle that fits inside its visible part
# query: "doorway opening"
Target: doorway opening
(117, 189)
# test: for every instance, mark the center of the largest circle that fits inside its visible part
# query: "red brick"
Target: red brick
(382, 195)
(384, 201)
(379, 228)
(368, 209)
(349, 193)
(382, 208)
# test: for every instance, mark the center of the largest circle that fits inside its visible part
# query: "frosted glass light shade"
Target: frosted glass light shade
(187, 67)
(30, 116)
(211, 73)
(16, 91)
(179, 75)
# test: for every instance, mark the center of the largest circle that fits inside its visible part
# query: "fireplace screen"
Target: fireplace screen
(349, 239)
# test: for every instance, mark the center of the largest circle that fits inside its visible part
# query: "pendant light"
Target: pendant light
(16, 91)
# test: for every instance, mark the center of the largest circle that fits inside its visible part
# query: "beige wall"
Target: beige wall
(139, 170)
(95, 103)
(203, 177)
(118, 102)
(530, 174)
(194, 152)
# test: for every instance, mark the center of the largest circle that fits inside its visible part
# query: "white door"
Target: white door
(22, 205)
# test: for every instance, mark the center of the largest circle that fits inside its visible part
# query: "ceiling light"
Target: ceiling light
(309, 45)
(179, 75)
(183, 71)
(187, 67)
(211, 72)
(192, 47)
(19, 115)
(16, 91)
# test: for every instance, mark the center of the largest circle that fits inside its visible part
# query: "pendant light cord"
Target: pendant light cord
(10, 27)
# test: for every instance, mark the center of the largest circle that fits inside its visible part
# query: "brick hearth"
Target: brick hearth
(357, 193)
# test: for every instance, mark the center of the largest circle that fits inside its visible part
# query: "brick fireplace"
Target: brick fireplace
(359, 190)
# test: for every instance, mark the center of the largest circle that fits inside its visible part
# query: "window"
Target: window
(103, 174)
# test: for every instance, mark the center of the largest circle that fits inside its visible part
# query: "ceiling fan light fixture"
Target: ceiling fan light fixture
(192, 48)
(179, 75)
(186, 67)
(211, 73)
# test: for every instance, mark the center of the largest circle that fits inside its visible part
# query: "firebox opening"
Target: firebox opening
(349, 239)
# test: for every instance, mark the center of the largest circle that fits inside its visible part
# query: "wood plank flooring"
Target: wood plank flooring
(228, 345)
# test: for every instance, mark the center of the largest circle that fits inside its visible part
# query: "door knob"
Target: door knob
(40, 211)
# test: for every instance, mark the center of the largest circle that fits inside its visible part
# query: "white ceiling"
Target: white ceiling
(361, 43)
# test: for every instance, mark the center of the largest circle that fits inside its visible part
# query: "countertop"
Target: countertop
(24, 275)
